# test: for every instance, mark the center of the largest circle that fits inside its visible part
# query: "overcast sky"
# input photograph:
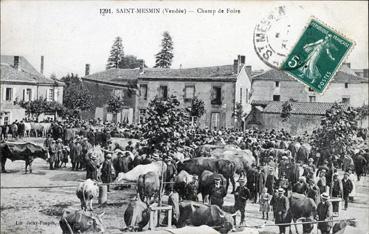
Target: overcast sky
(71, 34)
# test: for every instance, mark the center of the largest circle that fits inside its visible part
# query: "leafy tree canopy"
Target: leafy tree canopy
(165, 56)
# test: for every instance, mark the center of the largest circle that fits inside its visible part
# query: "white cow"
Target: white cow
(132, 175)
(27, 129)
(86, 191)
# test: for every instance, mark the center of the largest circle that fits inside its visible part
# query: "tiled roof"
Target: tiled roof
(345, 75)
(115, 75)
(25, 73)
(300, 108)
(214, 72)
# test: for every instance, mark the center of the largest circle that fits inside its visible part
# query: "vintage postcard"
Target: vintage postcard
(184, 117)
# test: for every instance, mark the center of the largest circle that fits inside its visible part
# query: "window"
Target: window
(163, 91)
(50, 97)
(346, 85)
(189, 93)
(216, 95)
(247, 95)
(143, 90)
(142, 115)
(312, 99)
(215, 119)
(28, 95)
(8, 94)
(277, 84)
(240, 95)
(276, 98)
(346, 100)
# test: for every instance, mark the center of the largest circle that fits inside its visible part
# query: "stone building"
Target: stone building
(21, 81)
(220, 87)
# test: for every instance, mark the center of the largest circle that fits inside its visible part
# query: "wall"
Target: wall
(295, 125)
(101, 93)
(265, 89)
(12, 114)
(37, 91)
(243, 82)
(203, 91)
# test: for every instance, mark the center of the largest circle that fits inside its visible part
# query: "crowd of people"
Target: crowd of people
(279, 169)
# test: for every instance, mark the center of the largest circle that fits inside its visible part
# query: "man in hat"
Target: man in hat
(217, 193)
(241, 194)
(91, 168)
(324, 213)
(322, 181)
(284, 183)
(170, 174)
(73, 153)
(86, 146)
(270, 181)
(47, 141)
(91, 136)
(280, 205)
(336, 191)
(347, 187)
(53, 154)
(107, 171)
(59, 152)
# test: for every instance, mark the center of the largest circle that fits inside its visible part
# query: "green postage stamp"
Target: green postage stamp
(317, 55)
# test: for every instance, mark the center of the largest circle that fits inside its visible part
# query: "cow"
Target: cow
(222, 166)
(37, 128)
(86, 192)
(46, 129)
(76, 221)
(137, 215)
(157, 167)
(197, 214)
(148, 186)
(301, 207)
(207, 180)
(27, 129)
(303, 153)
(294, 148)
(21, 151)
(186, 185)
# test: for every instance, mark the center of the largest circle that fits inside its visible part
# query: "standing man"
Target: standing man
(91, 168)
(170, 173)
(360, 164)
(59, 157)
(53, 154)
(107, 171)
(347, 187)
(324, 213)
(280, 205)
(73, 153)
(217, 193)
(242, 193)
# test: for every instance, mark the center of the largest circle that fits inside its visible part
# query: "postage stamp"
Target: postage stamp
(317, 55)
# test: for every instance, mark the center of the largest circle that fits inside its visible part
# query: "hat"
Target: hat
(323, 170)
(93, 156)
(53, 141)
(284, 157)
(280, 190)
(325, 196)
(347, 173)
(119, 151)
(60, 140)
(217, 179)
(108, 156)
(241, 180)
(270, 168)
(311, 160)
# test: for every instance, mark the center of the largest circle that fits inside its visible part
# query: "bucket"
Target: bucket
(103, 194)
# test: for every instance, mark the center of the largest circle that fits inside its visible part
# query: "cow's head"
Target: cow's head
(95, 223)
(223, 220)
(139, 214)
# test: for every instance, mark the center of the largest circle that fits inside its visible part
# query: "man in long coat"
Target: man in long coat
(280, 205)
(324, 213)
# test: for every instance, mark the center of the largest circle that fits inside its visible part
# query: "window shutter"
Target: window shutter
(47, 94)
(24, 95)
(55, 94)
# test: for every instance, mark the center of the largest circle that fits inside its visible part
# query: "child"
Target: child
(264, 201)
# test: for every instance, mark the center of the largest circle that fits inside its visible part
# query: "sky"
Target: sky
(72, 34)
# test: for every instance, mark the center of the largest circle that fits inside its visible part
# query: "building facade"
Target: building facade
(20, 81)
(220, 87)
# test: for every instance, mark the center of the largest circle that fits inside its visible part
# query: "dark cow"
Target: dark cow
(303, 153)
(137, 215)
(243, 159)
(198, 165)
(187, 185)
(77, 221)
(301, 207)
(197, 214)
(21, 151)
(122, 163)
(207, 180)
(148, 186)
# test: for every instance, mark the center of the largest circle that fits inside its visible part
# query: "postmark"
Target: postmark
(317, 55)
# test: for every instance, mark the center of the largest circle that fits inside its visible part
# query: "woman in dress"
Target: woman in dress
(264, 201)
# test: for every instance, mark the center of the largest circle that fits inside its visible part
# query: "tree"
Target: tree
(197, 108)
(335, 136)
(165, 56)
(116, 54)
(131, 62)
(71, 79)
(40, 105)
(115, 104)
(166, 124)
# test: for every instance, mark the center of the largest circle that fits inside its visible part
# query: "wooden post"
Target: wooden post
(103, 194)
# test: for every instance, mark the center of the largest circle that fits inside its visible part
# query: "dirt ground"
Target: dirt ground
(38, 210)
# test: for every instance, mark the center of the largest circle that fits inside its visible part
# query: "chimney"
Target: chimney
(142, 66)
(235, 66)
(87, 69)
(16, 62)
(42, 65)
(243, 58)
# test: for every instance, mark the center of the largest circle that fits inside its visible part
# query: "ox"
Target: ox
(148, 186)
(137, 215)
(157, 167)
(197, 214)
(187, 185)
(74, 221)
(207, 180)
(86, 191)
(21, 151)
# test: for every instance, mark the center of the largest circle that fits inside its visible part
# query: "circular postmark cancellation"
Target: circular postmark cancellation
(276, 34)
